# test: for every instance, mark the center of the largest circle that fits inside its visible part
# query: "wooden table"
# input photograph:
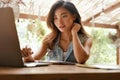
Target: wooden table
(58, 72)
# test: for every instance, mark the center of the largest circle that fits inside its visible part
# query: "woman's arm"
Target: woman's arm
(47, 41)
(81, 52)
(42, 51)
(28, 55)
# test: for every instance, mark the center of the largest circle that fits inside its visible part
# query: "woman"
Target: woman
(67, 41)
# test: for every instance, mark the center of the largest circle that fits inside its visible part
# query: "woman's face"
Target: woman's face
(63, 19)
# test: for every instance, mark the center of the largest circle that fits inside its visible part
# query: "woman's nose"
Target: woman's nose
(60, 21)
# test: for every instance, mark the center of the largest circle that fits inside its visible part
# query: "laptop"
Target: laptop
(10, 54)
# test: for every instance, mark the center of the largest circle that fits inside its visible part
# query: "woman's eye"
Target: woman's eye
(64, 16)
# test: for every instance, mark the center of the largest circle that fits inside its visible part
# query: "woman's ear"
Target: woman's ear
(74, 17)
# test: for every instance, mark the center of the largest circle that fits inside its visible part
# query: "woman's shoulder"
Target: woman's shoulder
(45, 39)
(49, 40)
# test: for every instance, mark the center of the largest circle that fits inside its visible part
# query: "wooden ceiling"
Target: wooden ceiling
(104, 13)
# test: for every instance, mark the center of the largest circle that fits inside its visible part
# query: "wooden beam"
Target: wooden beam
(86, 23)
(109, 9)
(29, 16)
(102, 25)
(118, 55)
(42, 18)
(118, 47)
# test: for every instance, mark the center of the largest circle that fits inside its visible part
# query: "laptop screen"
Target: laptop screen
(9, 44)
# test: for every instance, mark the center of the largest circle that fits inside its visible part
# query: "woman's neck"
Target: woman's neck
(66, 36)
(65, 40)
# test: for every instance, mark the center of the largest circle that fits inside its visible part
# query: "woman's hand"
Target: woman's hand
(26, 52)
(76, 28)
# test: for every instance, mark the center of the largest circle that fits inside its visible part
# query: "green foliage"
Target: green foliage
(102, 51)
(36, 29)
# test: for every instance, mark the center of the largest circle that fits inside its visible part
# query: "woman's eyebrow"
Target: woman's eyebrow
(61, 14)
(64, 13)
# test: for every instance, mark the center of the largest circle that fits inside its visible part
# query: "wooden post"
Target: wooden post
(118, 47)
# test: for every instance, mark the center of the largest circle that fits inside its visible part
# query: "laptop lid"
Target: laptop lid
(9, 44)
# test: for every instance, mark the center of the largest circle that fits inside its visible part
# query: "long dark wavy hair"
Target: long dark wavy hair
(68, 6)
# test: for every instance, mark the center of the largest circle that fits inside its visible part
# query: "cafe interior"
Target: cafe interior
(97, 14)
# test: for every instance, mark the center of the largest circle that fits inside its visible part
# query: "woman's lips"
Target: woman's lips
(61, 26)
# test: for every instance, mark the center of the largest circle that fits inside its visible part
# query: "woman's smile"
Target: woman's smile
(63, 26)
